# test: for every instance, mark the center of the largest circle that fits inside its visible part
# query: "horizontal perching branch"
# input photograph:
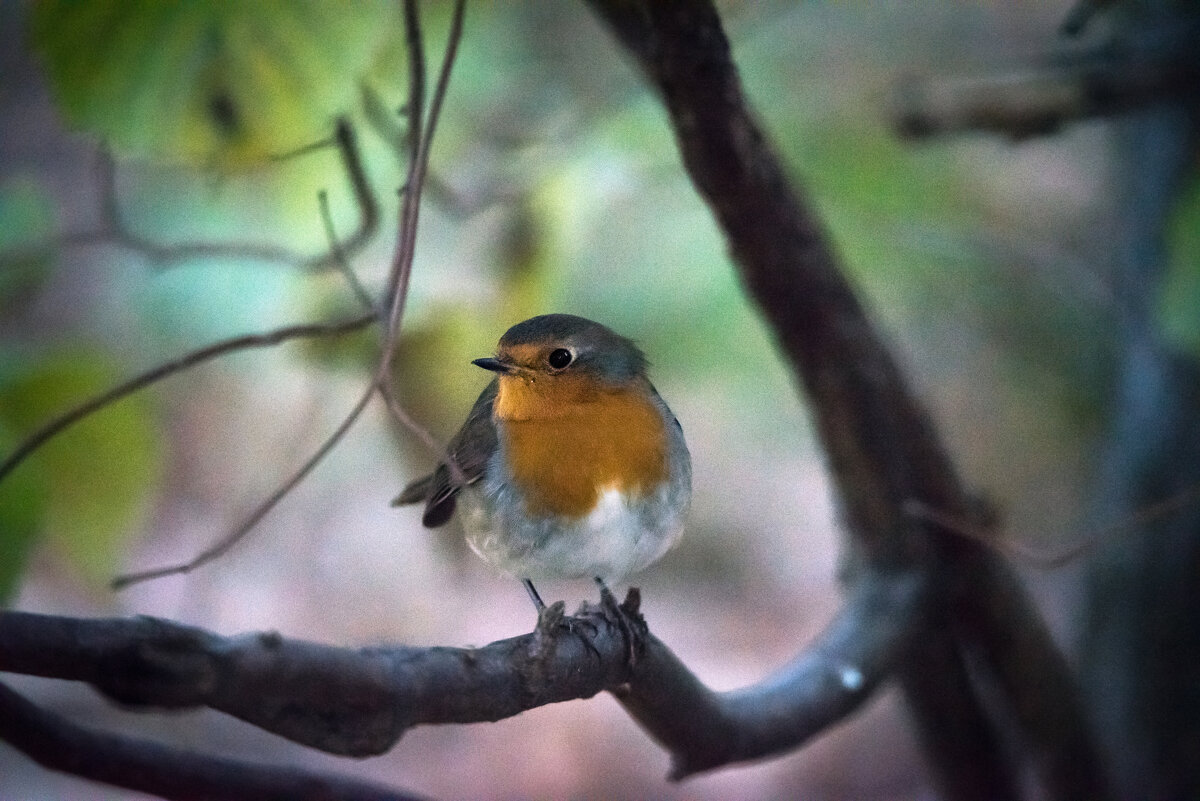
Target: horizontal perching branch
(359, 702)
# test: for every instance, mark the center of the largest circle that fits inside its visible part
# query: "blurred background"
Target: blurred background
(556, 187)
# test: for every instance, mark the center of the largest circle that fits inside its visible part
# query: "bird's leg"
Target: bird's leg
(538, 603)
(551, 618)
(629, 627)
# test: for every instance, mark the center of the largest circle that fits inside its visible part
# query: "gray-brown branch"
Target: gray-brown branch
(353, 702)
(830, 679)
(1038, 101)
(149, 767)
(359, 702)
(883, 450)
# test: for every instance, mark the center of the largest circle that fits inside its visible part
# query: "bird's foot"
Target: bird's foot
(628, 618)
(552, 621)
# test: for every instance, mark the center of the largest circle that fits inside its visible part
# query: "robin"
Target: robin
(570, 465)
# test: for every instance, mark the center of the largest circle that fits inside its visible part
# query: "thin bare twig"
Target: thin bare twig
(380, 119)
(234, 537)
(364, 196)
(395, 293)
(1039, 101)
(431, 443)
(339, 255)
(268, 339)
(113, 230)
(406, 248)
(395, 299)
(1050, 559)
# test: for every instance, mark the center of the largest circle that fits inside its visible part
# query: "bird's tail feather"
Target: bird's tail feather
(416, 492)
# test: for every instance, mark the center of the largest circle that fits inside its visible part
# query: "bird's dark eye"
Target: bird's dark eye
(560, 358)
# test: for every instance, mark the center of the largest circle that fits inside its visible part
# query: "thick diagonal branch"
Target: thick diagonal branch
(883, 451)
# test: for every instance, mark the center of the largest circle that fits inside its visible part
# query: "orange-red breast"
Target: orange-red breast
(573, 464)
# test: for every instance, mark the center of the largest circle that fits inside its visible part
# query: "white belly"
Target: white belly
(620, 536)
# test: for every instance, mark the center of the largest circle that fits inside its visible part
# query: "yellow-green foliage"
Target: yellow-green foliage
(87, 490)
(207, 82)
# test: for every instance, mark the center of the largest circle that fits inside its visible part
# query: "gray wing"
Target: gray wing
(471, 448)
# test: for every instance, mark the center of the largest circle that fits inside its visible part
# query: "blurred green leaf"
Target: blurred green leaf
(207, 81)
(88, 488)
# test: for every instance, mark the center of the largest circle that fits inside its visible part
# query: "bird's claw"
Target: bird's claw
(552, 620)
(628, 618)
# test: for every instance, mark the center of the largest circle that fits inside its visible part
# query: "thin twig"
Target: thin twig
(234, 537)
(398, 286)
(339, 255)
(395, 295)
(113, 230)
(364, 196)
(270, 338)
(379, 117)
(446, 197)
(1039, 101)
(434, 446)
(1048, 559)
(420, 145)
(418, 169)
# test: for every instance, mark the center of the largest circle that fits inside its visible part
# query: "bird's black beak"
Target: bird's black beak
(495, 365)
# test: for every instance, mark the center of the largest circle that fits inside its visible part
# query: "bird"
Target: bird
(569, 465)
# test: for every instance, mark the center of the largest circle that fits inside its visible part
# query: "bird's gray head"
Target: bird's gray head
(553, 344)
